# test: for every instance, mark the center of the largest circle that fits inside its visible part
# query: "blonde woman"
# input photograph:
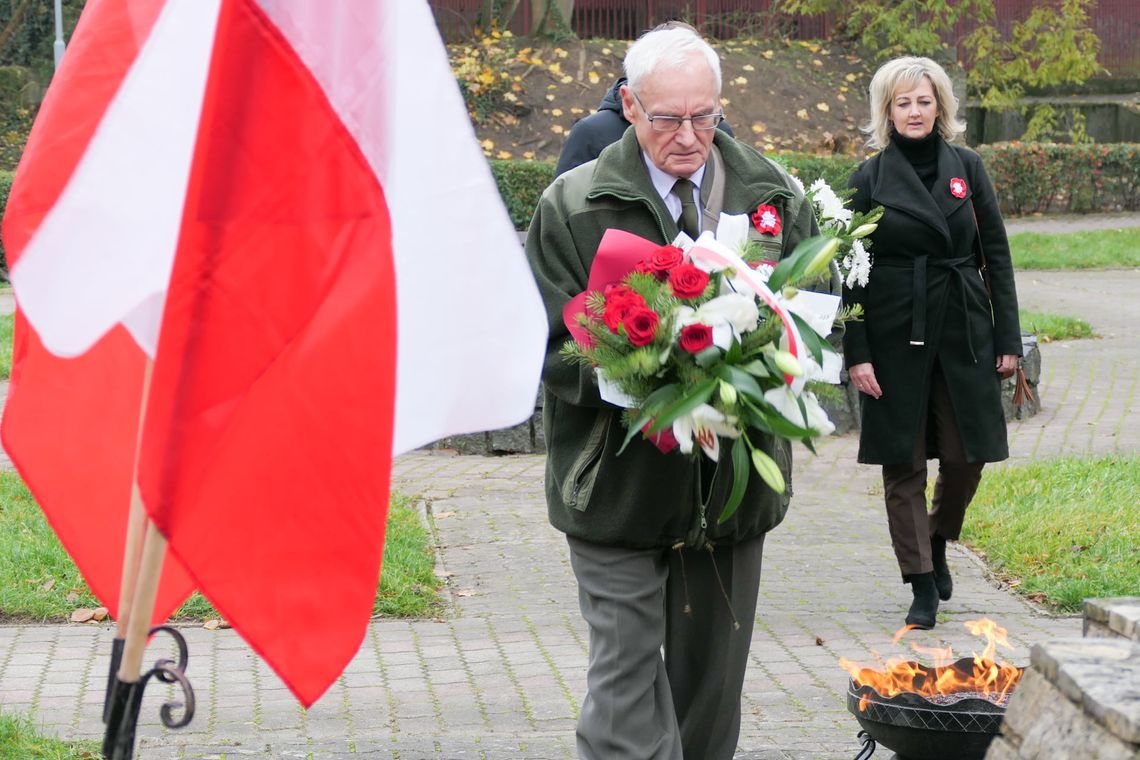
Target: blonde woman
(927, 356)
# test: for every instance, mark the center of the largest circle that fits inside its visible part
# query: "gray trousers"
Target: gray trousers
(685, 705)
(904, 486)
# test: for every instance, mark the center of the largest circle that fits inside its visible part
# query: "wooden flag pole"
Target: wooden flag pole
(132, 551)
(143, 557)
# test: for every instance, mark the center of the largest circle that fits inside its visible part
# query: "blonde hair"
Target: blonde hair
(902, 74)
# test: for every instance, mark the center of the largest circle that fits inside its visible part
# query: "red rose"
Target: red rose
(663, 259)
(767, 220)
(696, 338)
(641, 326)
(620, 304)
(688, 281)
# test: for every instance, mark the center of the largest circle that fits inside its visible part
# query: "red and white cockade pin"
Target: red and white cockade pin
(766, 219)
(958, 187)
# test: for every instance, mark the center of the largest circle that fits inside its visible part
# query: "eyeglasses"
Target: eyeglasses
(700, 122)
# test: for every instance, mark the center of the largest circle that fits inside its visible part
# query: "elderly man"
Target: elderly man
(655, 568)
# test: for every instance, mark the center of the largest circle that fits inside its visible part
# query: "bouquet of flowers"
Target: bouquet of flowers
(838, 222)
(701, 341)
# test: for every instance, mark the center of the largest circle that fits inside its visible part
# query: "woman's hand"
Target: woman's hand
(863, 378)
(1006, 364)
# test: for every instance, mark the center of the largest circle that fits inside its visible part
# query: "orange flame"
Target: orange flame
(989, 679)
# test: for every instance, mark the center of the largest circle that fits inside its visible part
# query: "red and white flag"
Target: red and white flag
(282, 203)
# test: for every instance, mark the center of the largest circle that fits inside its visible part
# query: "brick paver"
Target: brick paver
(502, 674)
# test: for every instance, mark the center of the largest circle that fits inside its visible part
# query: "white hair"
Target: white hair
(903, 74)
(667, 49)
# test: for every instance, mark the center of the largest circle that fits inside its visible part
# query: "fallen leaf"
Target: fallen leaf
(740, 81)
(566, 79)
(818, 641)
(841, 98)
(593, 77)
(72, 598)
(823, 107)
(557, 129)
(748, 67)
(803, 114)
(769, 147)
(465, 592)
(48, 586)
(816, 62)
(82, 615)
(560, 52)
(212, 625)
(529, 155)
(556, 112)
(444, 515)
(549, 96)
(510, 97)
(503, 155)
(759, 127)
(606, 51)
(725, 101)
(445, 574)
(843, 88)
(555, 68)
(768, 54)
(850, 77)
(576, 110)
(488, 145)
(100, 614)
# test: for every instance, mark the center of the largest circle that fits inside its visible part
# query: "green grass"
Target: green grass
(6, 322)
(1097, 249)
(1061, 530)
(1051, 327)
(39, 582)
(19, 740)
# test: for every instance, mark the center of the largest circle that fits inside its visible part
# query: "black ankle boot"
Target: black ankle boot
(925, 605)
(942, 579)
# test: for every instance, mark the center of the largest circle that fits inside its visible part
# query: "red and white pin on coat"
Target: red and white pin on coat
(958, 187)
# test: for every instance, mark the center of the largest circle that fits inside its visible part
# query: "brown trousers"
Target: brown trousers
(904, 486)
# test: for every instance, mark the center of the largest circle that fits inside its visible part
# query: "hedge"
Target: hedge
(1029, 177)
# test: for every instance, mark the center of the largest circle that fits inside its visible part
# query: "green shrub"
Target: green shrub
(835, 170)
(1038, 177)
(521, 184)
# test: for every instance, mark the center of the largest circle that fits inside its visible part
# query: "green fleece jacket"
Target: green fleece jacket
(642, 498)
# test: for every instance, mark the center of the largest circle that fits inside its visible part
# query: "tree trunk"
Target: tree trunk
(550, 17)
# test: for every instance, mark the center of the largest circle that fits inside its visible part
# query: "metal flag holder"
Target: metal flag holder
(124, 699)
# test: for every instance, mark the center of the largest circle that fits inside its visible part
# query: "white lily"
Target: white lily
(732, 231)
(706, 425)
(786, 403)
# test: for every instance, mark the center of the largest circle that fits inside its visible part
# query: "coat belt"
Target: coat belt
(919, 265)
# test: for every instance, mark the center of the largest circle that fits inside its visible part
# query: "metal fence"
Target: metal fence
(1116, 22)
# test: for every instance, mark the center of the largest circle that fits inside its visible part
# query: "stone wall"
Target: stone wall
(1080, 698)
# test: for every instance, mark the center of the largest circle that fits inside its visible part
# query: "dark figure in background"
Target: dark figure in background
(929, 353)
(606, 125)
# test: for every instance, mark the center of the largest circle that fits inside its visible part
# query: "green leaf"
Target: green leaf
(739, 479)
(768, 419)
(811, 338)
(740, 380)
(791, 268)
(707, 357)
(663, 395)
(683, 405)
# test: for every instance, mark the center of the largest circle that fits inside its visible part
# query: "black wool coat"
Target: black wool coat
(925, 302)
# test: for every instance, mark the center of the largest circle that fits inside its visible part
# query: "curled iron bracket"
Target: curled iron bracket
(124, 700)
(869, 746)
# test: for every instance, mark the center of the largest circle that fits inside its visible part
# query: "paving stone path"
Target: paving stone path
(502, 674)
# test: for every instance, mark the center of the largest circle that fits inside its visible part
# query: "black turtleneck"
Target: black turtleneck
(921, 153)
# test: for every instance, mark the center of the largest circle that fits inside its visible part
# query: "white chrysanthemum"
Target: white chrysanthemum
(831, 210)
(857, 264)
(798, 183)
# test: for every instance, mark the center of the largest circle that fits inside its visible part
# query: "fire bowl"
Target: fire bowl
(956, 727)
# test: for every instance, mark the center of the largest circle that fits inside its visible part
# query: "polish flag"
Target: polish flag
(282, 204)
